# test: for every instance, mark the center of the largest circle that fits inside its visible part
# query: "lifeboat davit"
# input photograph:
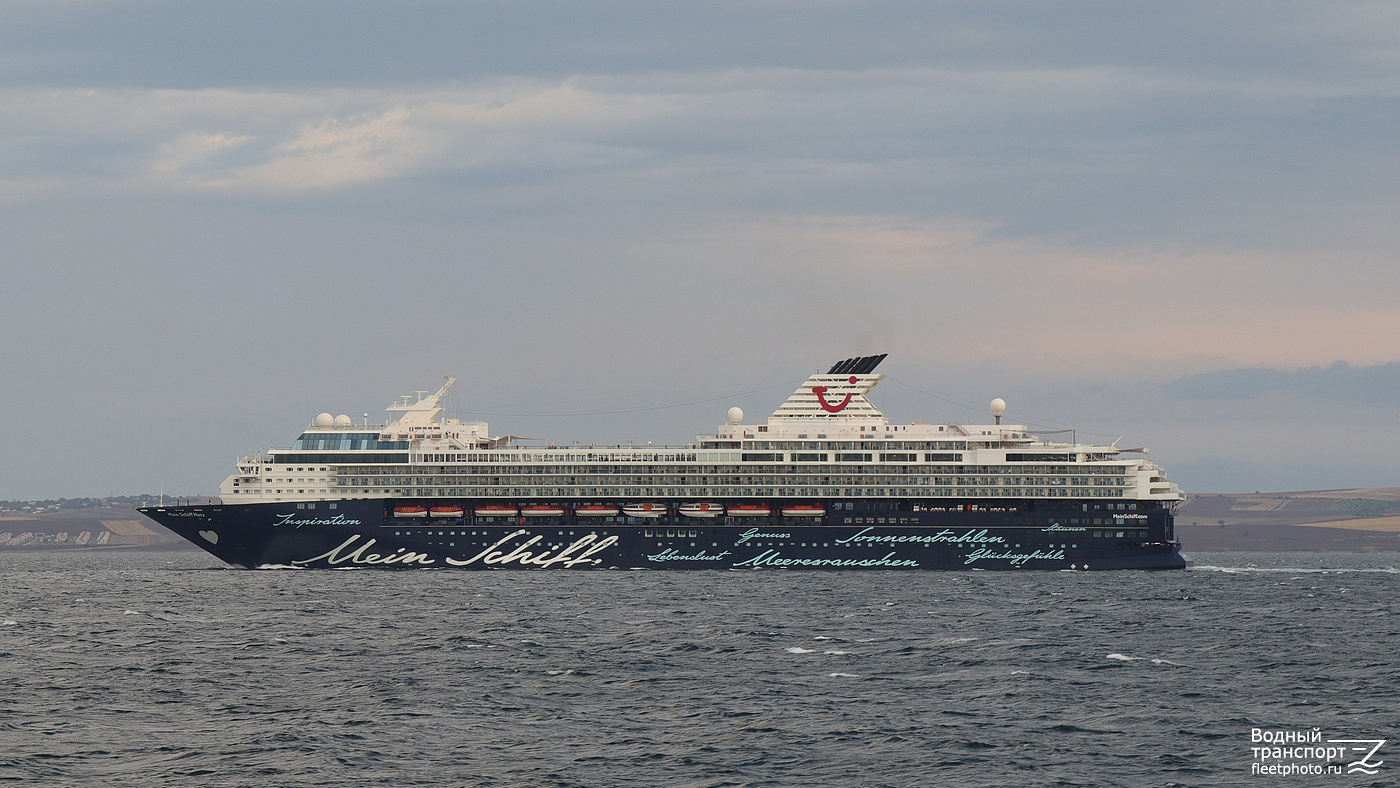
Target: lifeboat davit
(702, 509)
(750, 510)
(446, 511)
(644, 509)
(596, 510)
(541, 510)
(410, 511)
(804, 510)
(496, 511)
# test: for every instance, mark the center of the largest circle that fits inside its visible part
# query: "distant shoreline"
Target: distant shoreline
(1361, 520)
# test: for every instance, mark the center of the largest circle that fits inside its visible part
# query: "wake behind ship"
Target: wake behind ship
(827, 482)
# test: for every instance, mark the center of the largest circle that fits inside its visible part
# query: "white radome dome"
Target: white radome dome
(736, 415)
(343, 421)
(998, 406)
(325, 420)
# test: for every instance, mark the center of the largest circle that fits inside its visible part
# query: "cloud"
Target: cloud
(1107, 195)
(271, 143)
(1341, 383)
(1034, 130)
(338, 152)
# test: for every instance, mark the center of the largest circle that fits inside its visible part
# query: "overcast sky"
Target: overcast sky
(1174, 222)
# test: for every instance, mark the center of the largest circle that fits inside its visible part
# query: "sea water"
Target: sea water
(155, 669)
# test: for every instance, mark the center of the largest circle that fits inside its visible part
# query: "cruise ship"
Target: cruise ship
(826, 482)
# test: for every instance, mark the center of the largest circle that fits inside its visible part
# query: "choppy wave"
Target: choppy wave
(165, 674)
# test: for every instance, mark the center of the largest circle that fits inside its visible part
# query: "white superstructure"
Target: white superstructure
(827, 441)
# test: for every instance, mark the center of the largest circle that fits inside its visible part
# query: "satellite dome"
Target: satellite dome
(998, 406)
(736, 415)
(343, 421)
(325, 420)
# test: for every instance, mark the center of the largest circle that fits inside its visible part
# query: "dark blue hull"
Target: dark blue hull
(1064, 534)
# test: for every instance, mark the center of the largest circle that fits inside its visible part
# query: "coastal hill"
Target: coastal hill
(86, 524)
(1358, 520)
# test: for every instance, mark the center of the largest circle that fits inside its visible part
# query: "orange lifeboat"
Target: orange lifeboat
(644, 509)
(537, 510)
(596, 510)
(702, 509)
(410, 511)
(750, 510)
(446, 511)
(496, 511)
(804, 510)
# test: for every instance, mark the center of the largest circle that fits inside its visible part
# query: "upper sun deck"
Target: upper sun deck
(420, 422)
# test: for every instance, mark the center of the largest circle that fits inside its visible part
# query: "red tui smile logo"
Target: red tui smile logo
(820, 391)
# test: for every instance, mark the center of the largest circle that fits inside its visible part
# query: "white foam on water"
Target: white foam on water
(800, 650)
(842, 676)
(821, 637)
(1020, 673)
(1126, 658)
(1240, 570)
(9, 622)
(838, 653)
(132, 613)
